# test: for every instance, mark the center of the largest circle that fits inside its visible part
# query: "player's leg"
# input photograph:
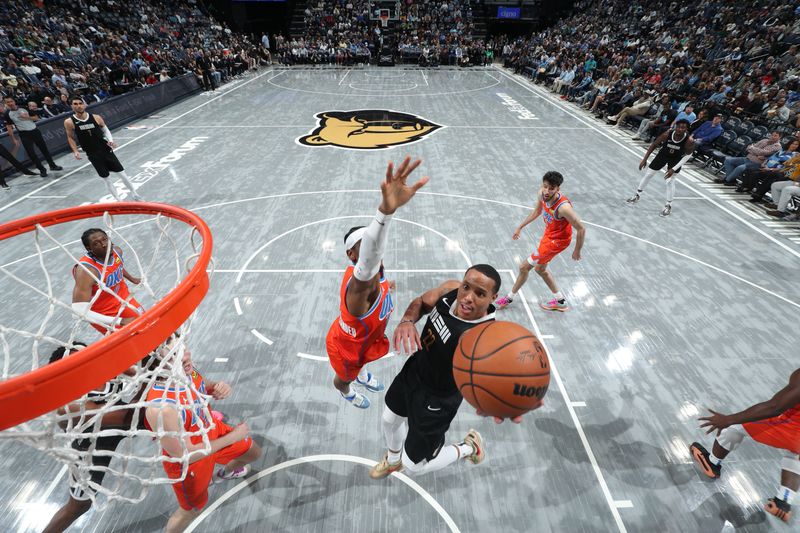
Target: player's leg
(670, 183)
(781, 505)
(524, 271)
(366, 378)
(180, 519)
(236, 459)
(99, 163)
(394, 426)
(69, 512)
(657, 164)
(558, 302)
(113, 164)
(710, 463)
(345, 372)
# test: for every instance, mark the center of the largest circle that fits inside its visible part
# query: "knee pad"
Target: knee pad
(731, 437)
(791, 464)
(391, 418)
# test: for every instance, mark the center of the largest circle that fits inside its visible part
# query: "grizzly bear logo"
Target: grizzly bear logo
(367, 129)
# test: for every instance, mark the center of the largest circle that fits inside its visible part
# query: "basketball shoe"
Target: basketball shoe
(475, 440)
(554, 305)
(220, 475)
(779, 508)
(357, 399)
(385, 468)
(701, 457)
(633, 199)
(372, 384)
(502, 303)
(666, 211)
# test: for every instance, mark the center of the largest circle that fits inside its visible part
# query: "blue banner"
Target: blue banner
(508, 12)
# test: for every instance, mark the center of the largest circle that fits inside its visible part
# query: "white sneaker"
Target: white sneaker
(666, 211)
(372, 384)
(220, 475)
(357, 399)
(633, 199)
(636, 138)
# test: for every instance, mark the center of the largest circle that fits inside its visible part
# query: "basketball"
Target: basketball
(501, 368)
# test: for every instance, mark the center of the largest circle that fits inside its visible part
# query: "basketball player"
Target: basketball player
(559, 218)
(96, 140)
(103, 261)
(79, 502)
(776, 423)
(231, 447)
(357, 335)
(423, 399)
(676, 147)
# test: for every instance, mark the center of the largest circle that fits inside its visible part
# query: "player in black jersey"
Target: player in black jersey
(676, 147)
(96, 140)
(423, 399)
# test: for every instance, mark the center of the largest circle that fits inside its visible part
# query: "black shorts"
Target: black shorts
(429, 415)
(662, 160)
(99, 462)
(105, 162)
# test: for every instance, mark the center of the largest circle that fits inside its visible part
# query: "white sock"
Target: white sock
(464, 450)
(394, 457)
(111, 188)
(363, 375)
(350, 392)
(511, 295)
(786, 494)
(714, 459)
(558, 295)
(128, 184)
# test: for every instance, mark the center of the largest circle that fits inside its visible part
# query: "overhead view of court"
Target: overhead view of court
(477, 267)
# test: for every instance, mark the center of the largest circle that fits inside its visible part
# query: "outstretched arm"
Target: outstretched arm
(405, 334)
(530, 218)
(394, 194)
(787, 397)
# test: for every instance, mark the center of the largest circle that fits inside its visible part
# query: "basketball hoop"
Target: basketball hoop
(383, 16)
(35, 397)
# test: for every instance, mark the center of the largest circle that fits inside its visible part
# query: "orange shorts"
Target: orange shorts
(548, 249)
(127, 312)
(779, 432)
(344, 358)
(192, 492)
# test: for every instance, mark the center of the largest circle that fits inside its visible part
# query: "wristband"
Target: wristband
(407, 320)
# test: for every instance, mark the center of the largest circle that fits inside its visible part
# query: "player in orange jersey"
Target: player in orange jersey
(231, 447)
(775, 423)
(559, 218)
(103, 261)
(357, 336)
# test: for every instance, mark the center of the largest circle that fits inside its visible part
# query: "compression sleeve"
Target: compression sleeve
(372, 245)
(82, 310)
(107, 134)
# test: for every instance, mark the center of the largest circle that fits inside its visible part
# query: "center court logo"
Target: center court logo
(367, 129)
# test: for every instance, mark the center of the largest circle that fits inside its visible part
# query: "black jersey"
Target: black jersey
(673, 150)
(434, 361)
(90, 135)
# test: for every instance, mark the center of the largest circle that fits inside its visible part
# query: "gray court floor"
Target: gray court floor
(669, 315)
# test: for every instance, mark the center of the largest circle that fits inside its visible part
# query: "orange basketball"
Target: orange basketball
(501, 368)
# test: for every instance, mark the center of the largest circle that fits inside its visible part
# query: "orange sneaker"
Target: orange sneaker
(701, 457)
(778, 508)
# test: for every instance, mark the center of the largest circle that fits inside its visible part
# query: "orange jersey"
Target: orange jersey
(556, 228)
(357, 334)
(194, 418)
(106, 304)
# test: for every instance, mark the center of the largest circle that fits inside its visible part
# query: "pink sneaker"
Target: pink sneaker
(553, 305)
(502, 303)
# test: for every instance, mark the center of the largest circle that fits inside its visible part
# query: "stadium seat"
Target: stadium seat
(718, 155)
(732, 123)
(744, 128)
(758, 132)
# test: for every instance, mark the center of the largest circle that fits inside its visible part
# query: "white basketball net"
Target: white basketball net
(39, 318)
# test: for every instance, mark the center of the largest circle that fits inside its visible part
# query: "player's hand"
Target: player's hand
(516, 234)
(669, 174)
(77, 155)
(392, 285)
(715, 422)
(111, 144)
(406, 338)
(394, 190)
(221, 390)
(642, 164)
(576, 255)
(240, 431)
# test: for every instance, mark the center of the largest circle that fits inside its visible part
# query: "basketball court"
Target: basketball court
(669, 315)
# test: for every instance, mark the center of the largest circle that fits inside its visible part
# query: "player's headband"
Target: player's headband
(354, 237)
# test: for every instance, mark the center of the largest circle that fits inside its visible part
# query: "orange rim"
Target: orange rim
(47, 388)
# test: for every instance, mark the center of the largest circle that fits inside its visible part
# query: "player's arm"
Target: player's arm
(537, 211)
(166, 419)
(657, 142)
(82, 295)
(688, 149)
(566, 211)
(405, 334)
(69, 127)
(394, 194)
(787, 397)
(106, 132)
(131, 278)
